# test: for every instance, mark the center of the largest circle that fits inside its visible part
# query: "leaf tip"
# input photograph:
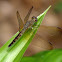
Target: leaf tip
(44, 12)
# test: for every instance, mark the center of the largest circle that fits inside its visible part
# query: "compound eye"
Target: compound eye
(34, 18)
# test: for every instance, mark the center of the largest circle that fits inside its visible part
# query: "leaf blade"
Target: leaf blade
(15, 52)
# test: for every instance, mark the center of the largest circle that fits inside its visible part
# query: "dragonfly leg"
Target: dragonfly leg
(33, 27)
(30, 27)
(36, 27)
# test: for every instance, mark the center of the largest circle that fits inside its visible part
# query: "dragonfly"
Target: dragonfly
(23, 26)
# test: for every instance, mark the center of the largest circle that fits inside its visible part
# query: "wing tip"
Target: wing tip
(17, 12)
(59, 27)
(32, 6)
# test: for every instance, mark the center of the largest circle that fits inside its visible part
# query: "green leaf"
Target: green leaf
(46, 56)
(16, 51)
(58, 7)
(35, 58)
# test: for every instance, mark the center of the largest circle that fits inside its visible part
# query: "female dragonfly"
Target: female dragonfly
(23, 26)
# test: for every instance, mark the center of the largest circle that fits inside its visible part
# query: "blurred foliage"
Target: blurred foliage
(46, 56)
(58, 7)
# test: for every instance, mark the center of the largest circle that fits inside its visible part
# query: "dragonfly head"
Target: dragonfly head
(34, 18)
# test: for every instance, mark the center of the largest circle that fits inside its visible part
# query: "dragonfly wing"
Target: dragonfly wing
(27, 16)
(19, 21)
(50, 32)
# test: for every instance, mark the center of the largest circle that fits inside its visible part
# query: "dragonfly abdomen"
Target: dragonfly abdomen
(16, 38)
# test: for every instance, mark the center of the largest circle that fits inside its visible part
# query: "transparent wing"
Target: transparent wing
(19, 21)
(49, 30)
(27, 16)
(52, 34)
